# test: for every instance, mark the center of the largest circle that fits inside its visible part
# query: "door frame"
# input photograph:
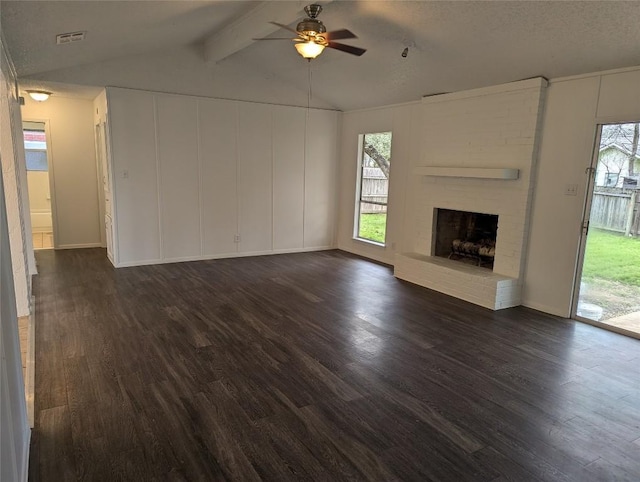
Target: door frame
(584, 227)
(101, 154)
(50, 172)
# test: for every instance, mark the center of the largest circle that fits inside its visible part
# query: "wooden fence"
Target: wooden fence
(375, 188)
(616, 210)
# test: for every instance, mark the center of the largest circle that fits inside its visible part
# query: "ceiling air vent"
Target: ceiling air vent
(67, 38)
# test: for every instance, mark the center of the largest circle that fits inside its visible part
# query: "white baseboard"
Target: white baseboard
(183, 259)
(368, 253)
(131, 264)
(78, 246)
(551, 310)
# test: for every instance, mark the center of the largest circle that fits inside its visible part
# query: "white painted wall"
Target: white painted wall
(189, 174)
(255, 181)
(574, 107)
(288, 177)
(320, 176)
(14, 175)
(72, 165)
(179, 186)
(218, 141)
(14, 426)
(404, 122)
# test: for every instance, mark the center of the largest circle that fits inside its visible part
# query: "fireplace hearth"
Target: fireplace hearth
(465, 236)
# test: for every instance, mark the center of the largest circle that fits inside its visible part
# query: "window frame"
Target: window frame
(358, 194)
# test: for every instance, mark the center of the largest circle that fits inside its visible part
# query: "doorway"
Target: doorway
(608, 282)
(38, 184)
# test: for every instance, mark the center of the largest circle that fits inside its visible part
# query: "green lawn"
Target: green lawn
(373, 227)
(612, 257)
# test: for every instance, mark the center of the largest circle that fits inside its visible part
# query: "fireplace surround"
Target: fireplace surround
(477, 154)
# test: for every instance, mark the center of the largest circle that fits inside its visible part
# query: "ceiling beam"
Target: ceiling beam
(254, 24)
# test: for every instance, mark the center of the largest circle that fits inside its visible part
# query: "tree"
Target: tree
(378, 147)
(624, 136)
(634, 148)
(613, 162)
(379, 159)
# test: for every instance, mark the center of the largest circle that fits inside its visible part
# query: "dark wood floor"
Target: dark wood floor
(317, 366)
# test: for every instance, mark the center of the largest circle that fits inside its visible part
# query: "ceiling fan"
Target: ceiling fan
(312, 36)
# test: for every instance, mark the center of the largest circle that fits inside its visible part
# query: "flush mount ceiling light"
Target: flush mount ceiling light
(39, 95)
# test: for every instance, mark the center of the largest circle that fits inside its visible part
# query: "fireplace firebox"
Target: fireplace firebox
(465, 236)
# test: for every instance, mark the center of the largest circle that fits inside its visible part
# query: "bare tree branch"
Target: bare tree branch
(379, 159)
(634, 148)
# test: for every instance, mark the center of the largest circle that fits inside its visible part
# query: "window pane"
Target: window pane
(36, 160)
(611, 179)
(373, 226)
(35, 140)
(373, 189)
(374, 186)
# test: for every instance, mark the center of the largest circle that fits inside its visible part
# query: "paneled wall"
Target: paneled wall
(14, 426)
(14, 175)
(198, 178)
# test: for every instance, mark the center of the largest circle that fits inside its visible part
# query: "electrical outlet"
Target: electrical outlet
(570, 189)
(236, 238)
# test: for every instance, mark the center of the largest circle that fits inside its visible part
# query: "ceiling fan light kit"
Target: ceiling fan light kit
(312, 36)
(309, 50)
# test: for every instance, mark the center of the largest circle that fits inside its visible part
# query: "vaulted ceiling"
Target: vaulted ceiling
(206, 48)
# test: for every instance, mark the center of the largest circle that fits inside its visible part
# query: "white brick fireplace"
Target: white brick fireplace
(478, 155)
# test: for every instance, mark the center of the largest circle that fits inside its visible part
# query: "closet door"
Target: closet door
(254, 178)
(133, 156)
(179, 179)
(288, 177)
(218, 121)
(320, 179)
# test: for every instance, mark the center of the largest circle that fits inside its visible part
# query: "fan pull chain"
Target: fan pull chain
(309, 93)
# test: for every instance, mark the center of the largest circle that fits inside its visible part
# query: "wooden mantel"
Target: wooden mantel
(470, 172)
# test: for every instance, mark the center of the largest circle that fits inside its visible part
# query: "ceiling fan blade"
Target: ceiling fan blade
(279, 38)
(286, 27)
(350, 49)
(338, 34)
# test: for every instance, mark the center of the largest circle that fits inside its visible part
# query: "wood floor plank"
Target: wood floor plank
(315, 366)
(55, 456)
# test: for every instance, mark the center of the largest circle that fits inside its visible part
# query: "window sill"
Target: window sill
(368, 241)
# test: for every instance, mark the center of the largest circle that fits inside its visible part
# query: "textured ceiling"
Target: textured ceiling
(114, 28)
(452, 46)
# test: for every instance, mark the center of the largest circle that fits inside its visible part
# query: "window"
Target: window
(35, 146)
(611, 179)
(374, 162)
